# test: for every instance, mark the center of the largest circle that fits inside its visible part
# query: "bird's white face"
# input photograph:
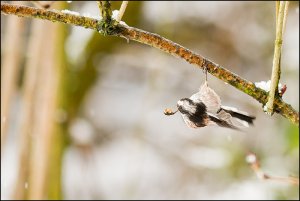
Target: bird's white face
(181, 102)
(186, 105)
(187, 108)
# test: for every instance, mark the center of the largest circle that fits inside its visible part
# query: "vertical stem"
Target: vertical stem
(277, 11)
(59, 138)
(105, 10)
(276, 59)
(44, 117)
(122, 10)
(100, 7)
(286, 8)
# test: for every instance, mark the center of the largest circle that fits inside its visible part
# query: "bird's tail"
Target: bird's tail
(238, 114)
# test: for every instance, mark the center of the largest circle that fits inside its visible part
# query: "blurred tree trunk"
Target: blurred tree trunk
(41, 102)
(32, 69)
(60, 136)
(10, 65)
(44, 115)
(51, 103)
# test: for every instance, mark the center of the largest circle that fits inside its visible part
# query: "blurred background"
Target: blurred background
(82, 114)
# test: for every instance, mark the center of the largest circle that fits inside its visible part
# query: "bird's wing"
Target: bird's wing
(224, 115)
(209, 97)
(222, 122)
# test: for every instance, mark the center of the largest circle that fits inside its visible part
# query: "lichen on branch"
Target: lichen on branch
(159, 42)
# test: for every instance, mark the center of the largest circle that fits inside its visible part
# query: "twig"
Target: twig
(277, 57)
(163, 44)
(106, 25)
(254, 163)
(286, 9)
(104, 7)
(122, 10)
(277, 3)
(100, 8)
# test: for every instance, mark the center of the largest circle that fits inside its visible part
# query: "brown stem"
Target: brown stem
(163, 44)
(255, 166)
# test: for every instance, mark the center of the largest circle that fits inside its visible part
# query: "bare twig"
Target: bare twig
(105, 10)
(281, 16)
(99, 6)
(286, 9)
(277, 3)
(122, 10)
(163, 44)
(254, 163)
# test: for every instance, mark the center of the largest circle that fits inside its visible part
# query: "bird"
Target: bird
(204, 108)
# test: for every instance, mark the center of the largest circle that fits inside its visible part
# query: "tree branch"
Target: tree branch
(251, 158)
(154, 40)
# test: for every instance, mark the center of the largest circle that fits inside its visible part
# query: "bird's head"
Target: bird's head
(186, 105)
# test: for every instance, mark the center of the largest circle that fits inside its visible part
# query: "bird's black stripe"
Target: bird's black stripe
(240, 116)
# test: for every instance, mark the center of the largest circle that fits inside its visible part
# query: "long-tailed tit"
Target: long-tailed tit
(204, 108)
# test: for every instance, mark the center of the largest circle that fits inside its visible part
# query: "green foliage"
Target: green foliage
(292, 136)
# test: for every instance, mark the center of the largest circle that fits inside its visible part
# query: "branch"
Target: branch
(281, 11)
(161, 43)
(255, 166)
